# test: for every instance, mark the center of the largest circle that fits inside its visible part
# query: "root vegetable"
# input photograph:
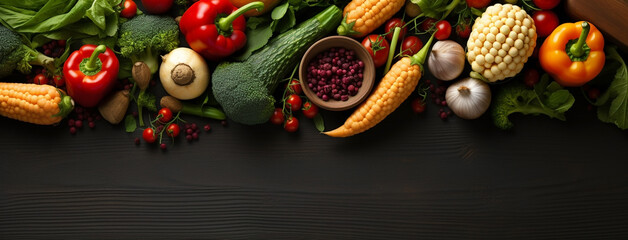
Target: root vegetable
(114, 107)
(446, 60)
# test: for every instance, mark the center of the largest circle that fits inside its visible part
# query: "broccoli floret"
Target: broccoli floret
(546, 98)
(247, 102)
(145, 37)
(14, 54)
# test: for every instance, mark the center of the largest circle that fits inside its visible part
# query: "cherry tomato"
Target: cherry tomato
(546, 4)
(294, 102)
(295, 86)
(545, 21)
(164, 115)
(277, 117)
(40, 79)
(291, 124)
(173, 130)
(377, 46)
(418, 105)
(443, 30)
(390, 28)
(309, 110)
(149, 135)
(427, 24)
(129, 9)
(59, 81)
(530, 77)
(463, 30)
(478, 3)
(411, 45)
(157, 6)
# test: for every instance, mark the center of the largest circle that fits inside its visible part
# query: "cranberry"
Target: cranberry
(78, 123)
(207, 128)
(72, 130)
(163, 146)
(224, 123)
(137, 141)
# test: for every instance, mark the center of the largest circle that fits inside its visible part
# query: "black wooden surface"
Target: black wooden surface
(411, 177)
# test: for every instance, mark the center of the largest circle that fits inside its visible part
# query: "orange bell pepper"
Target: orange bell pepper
(573, 54)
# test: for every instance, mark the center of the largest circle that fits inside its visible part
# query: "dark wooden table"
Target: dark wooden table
(411, 177)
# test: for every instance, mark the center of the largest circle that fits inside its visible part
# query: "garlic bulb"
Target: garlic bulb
(469, 98)
(446, 60)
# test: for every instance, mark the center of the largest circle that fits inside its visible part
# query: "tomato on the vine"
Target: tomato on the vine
(59, 81)
(377, 46)
(463, 30)
(149, 135)
(546, 21)
(309, 110)
(129, 9)
(295, 86)
(411, 45)
(418, 105)
(427, 24)
(277, 117)
(478, 3)
(293, 102)
(531, 77)
(291, 124)
(164, 115)
(546, 4)
(40, 79)
(390, 25)
(157, 6)
(443, 30)
(173, 130)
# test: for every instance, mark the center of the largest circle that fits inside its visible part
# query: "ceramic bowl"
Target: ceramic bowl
(368, 72)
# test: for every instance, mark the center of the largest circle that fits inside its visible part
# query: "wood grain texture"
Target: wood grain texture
(410, 177)
(240, 213)
(608, 15)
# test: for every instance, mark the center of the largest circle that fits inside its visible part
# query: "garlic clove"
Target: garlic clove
(468, 98)
(447, 60)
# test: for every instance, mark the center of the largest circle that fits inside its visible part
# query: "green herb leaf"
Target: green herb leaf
(558, 98)
(613, 103)
(280, 11)
(257, 38)
(129, 123)
(254, 22)
(287, 22)
(319, 123)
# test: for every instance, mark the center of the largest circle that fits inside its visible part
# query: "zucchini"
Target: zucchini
(244, 89)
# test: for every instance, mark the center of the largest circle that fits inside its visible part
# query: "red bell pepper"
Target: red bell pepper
(215, 28)
(90, 73)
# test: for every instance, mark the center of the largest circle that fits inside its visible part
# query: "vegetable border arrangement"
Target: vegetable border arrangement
(72, 63)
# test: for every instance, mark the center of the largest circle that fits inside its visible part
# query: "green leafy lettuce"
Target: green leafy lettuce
(43, 20)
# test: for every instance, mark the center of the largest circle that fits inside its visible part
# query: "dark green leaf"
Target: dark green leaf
(253, 22)
(129, 123)
(615, 111)
(319, 123)
(257, 38)
(287, 22)
(558, 98)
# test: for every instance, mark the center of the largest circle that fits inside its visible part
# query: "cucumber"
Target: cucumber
(244, 89)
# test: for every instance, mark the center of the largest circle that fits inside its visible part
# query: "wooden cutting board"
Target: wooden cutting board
(610, 16)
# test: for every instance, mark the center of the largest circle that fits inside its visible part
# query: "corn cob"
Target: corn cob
(361, 17)
(394, 88)
(33, 103)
